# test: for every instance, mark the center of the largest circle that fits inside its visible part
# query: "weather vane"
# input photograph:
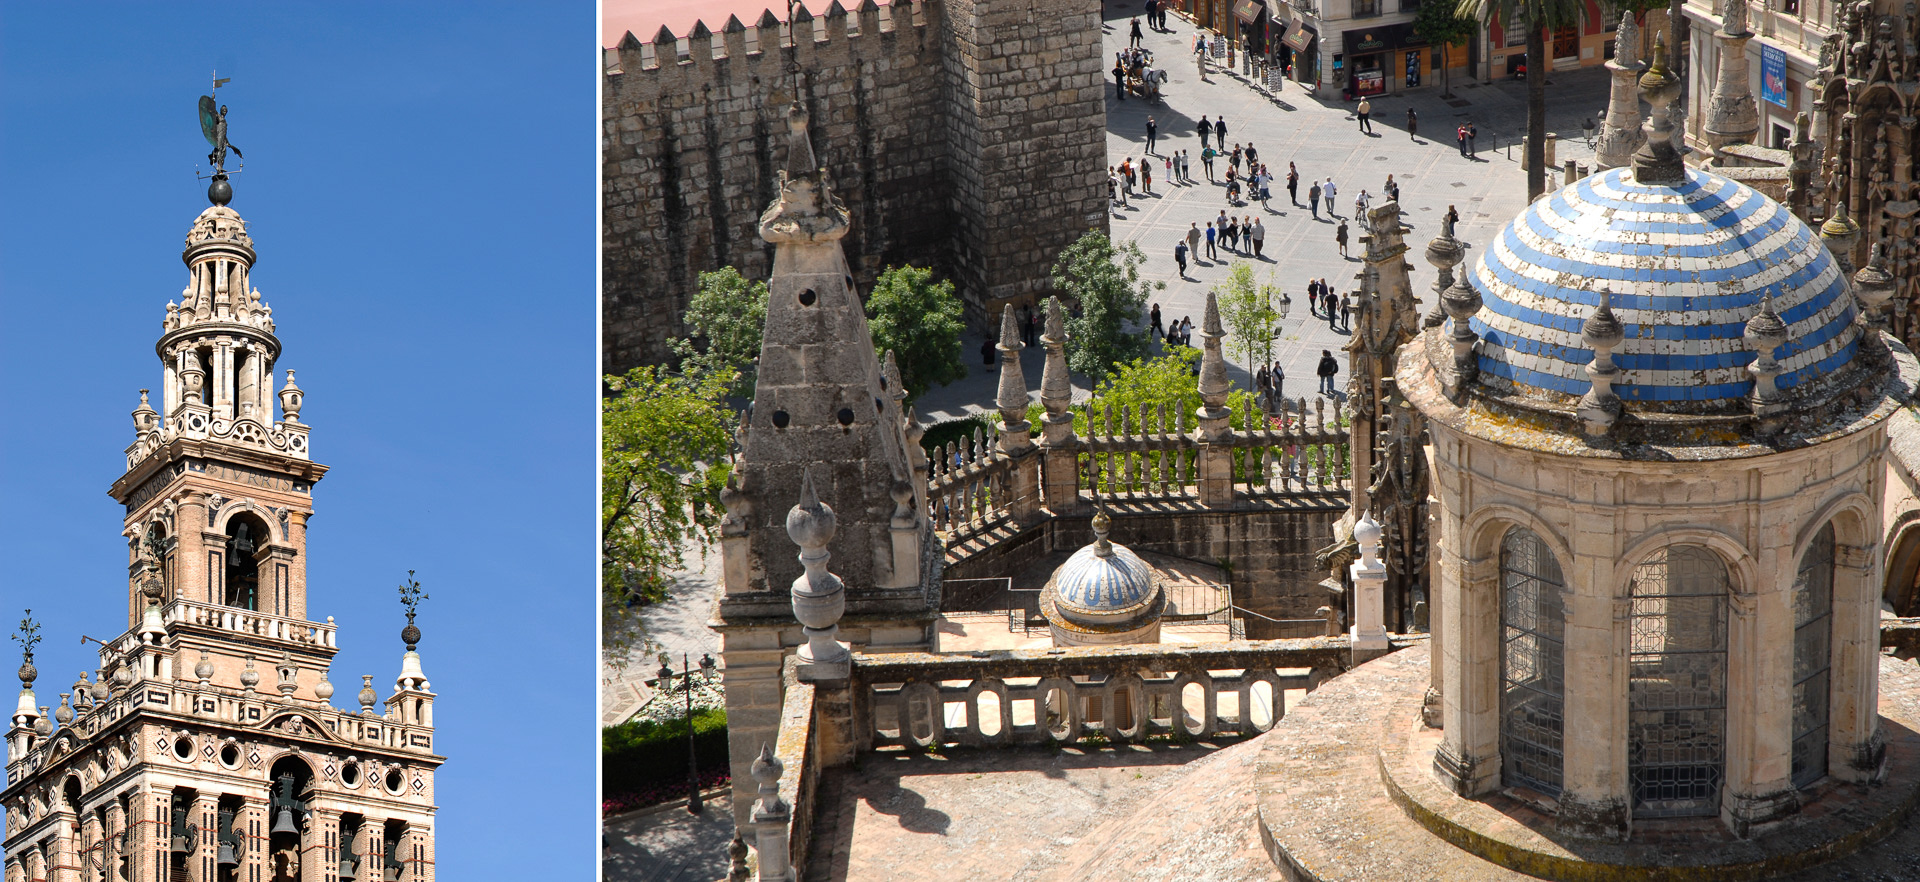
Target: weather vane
(213, 125)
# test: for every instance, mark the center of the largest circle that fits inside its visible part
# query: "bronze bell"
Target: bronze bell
(283, 821)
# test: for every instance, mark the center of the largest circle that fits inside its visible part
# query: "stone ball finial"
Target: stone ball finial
(204, 668)
(220, 192)
(368, 697)
(410, 635)
(1366, 531)
(101, 692)
(43, 724)
(1765, 331)
(1101, 524)
(28, 673)
(767, 769)
(64, 713)
(249, 678)
(1602, 329)
(811, 523)
(323, 690)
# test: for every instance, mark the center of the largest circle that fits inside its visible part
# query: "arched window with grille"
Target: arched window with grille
(1812, 658)
(1677, 687)
(1532, 667)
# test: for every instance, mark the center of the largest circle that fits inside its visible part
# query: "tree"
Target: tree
(920, 320)
(1246, 308)
(728, 314)
(1108, 294)
(1442, 25)
(1539, 16)
(664, 442)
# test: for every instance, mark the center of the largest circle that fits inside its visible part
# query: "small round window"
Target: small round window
(350, 774)
(395, 781)
(230, 756)
(183, 749)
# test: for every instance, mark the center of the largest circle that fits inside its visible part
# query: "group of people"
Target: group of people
(1121, 180)
(1179, 333)
(1324, 303)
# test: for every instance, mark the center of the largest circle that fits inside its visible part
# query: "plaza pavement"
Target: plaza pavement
(1321, 136)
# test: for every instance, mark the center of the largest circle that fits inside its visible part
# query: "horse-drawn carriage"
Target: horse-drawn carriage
(1143, 79)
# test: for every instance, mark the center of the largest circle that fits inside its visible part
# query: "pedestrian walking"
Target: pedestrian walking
(1193, 240)
(1413, 125)
(1329, 192)
(986, 352)
(1452, 217)
(1262, 381)
(1233, 159)
(1153, 315)
(1472, 133)
(1332, 309)
(1293, 184)
(1119, 82)
(1313, 199)
(1212, 234)
(1146, 176)
(1266, 187)
(1200, 57)
(1206, 130)
(1460, 137)
(1220, 129)
(1327, 370)
(1233, 188)
(1340, 236)
(1364, 111)
(1253, 155)
(1259, 237)
(1153, 132)
(1126, 171)
(1346, 312)
(1134, 37)
(1117, 185)
(1206, 159)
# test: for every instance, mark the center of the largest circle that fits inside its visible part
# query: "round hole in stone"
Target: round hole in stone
(877, 406)
(395, 781)
(845, 416)
(780, 419)
(849, 283)
(350, 774)
(230, 756)
(807, 297)
(183, 748)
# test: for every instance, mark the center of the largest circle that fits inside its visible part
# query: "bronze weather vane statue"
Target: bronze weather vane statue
(213, 125)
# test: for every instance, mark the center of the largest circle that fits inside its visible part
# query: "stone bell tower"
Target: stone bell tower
(205, 747)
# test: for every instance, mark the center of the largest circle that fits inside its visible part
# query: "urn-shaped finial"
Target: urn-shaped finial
(368, 697)
(203, 669)
(290, 399)
(323, 690)
(249, 678)
(64, 713)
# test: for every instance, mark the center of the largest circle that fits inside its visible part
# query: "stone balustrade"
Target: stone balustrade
(241, 621)
(967, 485)
(1121, 693)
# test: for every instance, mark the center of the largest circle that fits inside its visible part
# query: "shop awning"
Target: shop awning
(1249, 11)
(1297, 39)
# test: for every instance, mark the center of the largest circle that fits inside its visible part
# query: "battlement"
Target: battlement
(768, 50)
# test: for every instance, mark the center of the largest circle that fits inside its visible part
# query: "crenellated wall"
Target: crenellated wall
(961, 137)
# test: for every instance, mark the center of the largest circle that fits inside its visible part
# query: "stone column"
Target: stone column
(64, 860)
(1732, 117)
(319, 847)
(223, 380)
(251, 823)
(1856, 748)
(1759, 766)
(146, 842)
(191, 579)
(1468, 759)
(90, 836)
(1593, 797)
(751, 678)
(205, 814)
(418, 847)
(117, 842)
(297, 564)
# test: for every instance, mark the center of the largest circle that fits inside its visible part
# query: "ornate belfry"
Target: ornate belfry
(174, 760)
(1866, 115)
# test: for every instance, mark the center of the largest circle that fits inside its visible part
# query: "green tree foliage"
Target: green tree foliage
(1104, 281)
(1442, 25)
(726, 317)
(663, 460)
(1540, 16)
(920, 320)
(1246, 308)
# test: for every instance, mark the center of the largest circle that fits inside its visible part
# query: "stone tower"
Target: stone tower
(206, 748)
(824, 409)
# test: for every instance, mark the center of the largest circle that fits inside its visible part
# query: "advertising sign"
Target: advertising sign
(1773, 75)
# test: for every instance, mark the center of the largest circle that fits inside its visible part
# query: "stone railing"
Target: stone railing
(967, 489)
(1135, 455)
(1121, 693)
(241, 621)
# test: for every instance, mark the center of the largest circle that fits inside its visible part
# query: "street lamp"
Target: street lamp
(1587, 127)
(1279, 373)
(686, 685)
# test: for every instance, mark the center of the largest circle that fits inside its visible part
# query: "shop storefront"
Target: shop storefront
(1252, 19)
(1378, 60)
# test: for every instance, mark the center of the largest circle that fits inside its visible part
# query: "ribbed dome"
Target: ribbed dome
(1688, 266)
(1091, 587)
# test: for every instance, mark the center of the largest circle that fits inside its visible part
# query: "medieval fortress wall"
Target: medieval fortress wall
(965, 135)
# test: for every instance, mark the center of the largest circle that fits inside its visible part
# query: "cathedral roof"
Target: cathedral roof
(1688, 265)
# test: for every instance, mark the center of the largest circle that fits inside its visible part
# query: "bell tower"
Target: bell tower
(205, 747)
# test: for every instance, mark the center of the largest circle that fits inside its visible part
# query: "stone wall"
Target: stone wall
(1270, 545)
(961, 137)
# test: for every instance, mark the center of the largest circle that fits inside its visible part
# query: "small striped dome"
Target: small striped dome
(1688, 265)
(1093, 586)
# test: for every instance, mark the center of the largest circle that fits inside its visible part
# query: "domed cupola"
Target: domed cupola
(1103, 594)
(1661, 305)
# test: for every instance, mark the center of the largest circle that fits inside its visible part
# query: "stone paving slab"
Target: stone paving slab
(675, 626)
(666, 844)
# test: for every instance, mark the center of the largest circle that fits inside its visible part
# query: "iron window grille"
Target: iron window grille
(1532, 663)
(1812, 658)
(1677, 691)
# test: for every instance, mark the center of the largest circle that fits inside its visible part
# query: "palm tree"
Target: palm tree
(1540, 16)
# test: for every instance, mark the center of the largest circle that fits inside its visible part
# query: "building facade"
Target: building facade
(205, 746)
(1782, 60)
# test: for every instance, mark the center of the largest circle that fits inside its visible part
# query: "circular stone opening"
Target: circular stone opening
(807, 297)
(394, 781)
(183, 748)
(230, 756)
(350, 774)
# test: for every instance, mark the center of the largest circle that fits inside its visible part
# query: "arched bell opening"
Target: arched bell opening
(288, 815)
(159, 547)
(399, 862)
(1902, 591)
(245, 549)
(231, 842)
(352, 849)
(1677, 691)
(183, 835)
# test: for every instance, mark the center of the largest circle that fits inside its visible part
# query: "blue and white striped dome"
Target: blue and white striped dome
(1095, 584)
(1688, 265)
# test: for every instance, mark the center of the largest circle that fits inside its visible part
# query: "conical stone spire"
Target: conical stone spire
(1214, 385)
(1732, 117)
(1659, 161)
(1620, 133)
(1015, 431)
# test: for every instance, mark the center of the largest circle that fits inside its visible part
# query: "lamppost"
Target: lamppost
(685, 685)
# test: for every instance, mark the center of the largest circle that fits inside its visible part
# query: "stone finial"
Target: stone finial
(323, 690)
(1733, 18)
(1056, 388)
(819, 598)
(737, 860)
(766, 771)
(1601, 407)
(806, 211)
(1620, 132)
(1658, 162)
(890, 377)
(1873, 287)
(123, 676)
(1367, 534)
(64, 713)
(289, 675)
(1766, 333)
(203, 669)
(1626, 41)
(249, 678)
(101, 692)
(1462, 302)
(1840, 234)
(145, 418)
(1101, 524)
(1445, 252)
(82, 693)
(771, 815)
(1213, 364)
(1732, 116)
(43, 724)
(1015, 433)
(368, 697)
(291, 398)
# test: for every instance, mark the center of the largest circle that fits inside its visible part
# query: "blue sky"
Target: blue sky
(420, 185)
